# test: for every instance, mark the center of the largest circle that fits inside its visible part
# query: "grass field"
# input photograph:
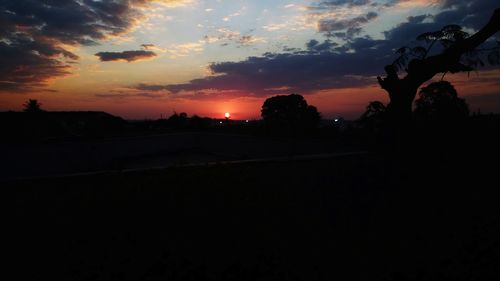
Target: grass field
(347, 218)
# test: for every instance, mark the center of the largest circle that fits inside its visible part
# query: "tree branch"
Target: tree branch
(420, 71)
(492, 27)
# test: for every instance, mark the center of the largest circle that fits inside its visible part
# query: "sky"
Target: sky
(142, 59)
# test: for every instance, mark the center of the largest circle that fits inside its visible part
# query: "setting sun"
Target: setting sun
(227, 115)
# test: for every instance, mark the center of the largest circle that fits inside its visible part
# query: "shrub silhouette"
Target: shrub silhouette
(374, 113)
(32, 106)
(439, 105)
(178, 120)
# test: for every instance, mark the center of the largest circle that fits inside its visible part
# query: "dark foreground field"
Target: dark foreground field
(347, 218)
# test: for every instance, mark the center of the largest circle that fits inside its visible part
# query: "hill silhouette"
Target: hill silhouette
(42, 125)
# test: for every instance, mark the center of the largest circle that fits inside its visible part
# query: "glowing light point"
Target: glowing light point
(227, 115)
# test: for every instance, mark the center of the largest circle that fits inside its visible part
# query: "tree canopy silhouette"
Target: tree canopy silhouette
(459, 53)
(374, 110)
(439, 104)
(287, 112)
(374, 116)
(178, 120)
(32, 106)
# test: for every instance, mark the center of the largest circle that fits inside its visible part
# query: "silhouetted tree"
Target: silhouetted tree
(374, 110)
(438, 104)
(290, 112)
(178, 120)
(197, 122)
(374, 116)
(32, 106)
(459, 54)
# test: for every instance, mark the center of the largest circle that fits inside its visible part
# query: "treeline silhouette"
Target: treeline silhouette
(439, 114)
(440, 118)
(437, 108)
(39, 125)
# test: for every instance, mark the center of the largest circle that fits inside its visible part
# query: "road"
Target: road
(63, 158)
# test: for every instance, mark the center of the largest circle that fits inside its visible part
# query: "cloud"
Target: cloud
(23, 69)
(350, 26)
(250, 39)
(229, 17)
(185, 49)
(222, 34)
(130, 95)
(153, 88)
(148, 46)
(319, 66)
(238, 13)
(275, 26)
(227, 36)
(406, 32)
(471, 14)
(335, 3)
(342, 18)
(37, 37)
(153, 47)
(170, 3)
(128, 56)
(316, 46)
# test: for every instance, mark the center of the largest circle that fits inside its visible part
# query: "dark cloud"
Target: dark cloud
(302, 71)
(130, 95)
(33, 33)
(316, 46)
(26, 64)
(332, 4)
(128, 56)
(471, 14)
(332, 26)
(329, 4)
(406, 32)
(148, 46)
(364, 44)
(391, 3)
(146, 87)
(246, 39)
(351, 27)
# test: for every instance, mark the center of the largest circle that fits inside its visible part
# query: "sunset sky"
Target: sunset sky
(143, 58)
